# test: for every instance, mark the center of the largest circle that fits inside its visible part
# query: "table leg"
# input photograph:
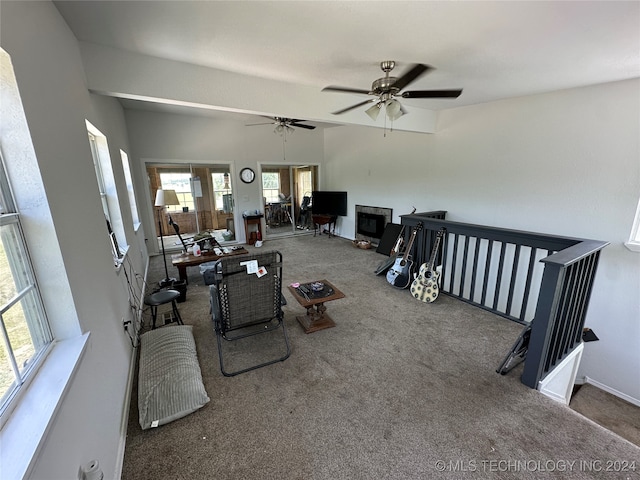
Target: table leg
(154, 315)
(182, 273)
(316, 319)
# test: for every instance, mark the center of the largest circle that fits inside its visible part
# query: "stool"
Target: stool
(160, 298)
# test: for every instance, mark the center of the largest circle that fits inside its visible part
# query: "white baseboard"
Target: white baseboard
(127, 401)
(612, 391)
(558, 384)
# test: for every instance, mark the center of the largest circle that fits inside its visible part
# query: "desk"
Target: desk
(184, 260)
(323, 219)
(318, 319)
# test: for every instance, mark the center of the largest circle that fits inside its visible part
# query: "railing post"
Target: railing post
(542, 323)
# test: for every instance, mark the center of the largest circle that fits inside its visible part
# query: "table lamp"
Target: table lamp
(164, 198)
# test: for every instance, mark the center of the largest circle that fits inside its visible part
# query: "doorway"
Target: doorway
(286, 190)
(205, 193)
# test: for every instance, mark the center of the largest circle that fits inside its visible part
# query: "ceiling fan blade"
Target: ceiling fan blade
(333, 88)
(416, 70)
(344, 110)
(431, 94)
(301, 125)
(254, 124)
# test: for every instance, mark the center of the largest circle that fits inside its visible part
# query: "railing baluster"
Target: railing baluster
(496, 295)
(474, 271)
(514, 274)
(445, 253)
(592, 262)
(487, 268)
(453, 265)
(463, 273)
(527, 285)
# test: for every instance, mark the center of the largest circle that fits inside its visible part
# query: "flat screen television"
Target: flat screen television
(329, 203)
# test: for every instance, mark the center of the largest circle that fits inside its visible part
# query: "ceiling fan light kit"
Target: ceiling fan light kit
(284, 126)
(387, 88)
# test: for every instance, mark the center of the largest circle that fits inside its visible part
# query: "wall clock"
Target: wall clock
(247, 175)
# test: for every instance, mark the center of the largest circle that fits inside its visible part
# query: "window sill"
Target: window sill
(633, 246)
(119, 261)
(29, 422)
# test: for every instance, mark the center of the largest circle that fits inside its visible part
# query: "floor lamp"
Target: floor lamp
(164, 198)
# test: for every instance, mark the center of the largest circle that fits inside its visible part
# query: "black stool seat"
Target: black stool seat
(160, 298)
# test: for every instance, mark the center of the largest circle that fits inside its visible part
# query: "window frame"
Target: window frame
(133, 204)
(267, 193)
(40, 331)
(185, 197)
(108, 193)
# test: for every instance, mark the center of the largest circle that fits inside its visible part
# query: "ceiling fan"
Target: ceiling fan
(386, 89)
(284, 125)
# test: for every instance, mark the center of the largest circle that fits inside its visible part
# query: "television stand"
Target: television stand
(323, 219)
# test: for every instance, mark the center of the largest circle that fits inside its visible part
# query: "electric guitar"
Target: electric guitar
(399, 275)
(425, 286)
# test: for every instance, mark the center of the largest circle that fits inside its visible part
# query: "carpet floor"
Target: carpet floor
(399, 389)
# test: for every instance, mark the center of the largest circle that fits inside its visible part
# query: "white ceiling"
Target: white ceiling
(493, 50)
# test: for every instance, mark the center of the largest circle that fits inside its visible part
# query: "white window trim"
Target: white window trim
(29, 422)
(634, 239)
(128, 178)
(107, 188)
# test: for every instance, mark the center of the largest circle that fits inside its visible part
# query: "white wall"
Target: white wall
(563, 163)
(51, 80)
(169, 138)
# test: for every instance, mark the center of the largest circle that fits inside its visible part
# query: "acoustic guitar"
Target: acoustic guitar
(425, 286)
(399, 275)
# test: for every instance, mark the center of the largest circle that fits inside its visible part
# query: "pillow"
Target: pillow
(169, 379)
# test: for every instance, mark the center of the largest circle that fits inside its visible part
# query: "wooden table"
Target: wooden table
(316, 319)
(252, 236)
(184, 260)
(320, 219)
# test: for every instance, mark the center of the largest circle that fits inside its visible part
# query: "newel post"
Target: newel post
(542, 325)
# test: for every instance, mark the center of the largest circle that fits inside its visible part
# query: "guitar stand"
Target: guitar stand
(517, 353)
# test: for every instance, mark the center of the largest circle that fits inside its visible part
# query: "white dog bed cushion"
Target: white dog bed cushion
(169, 380)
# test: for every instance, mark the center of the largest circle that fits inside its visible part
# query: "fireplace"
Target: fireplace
(370, 224)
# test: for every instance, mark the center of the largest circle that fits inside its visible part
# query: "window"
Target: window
(108, 192)
(96, 164)
(132, 196)
(24, 329)
(222, 192)
(305, 186)
(271, 186)
(181, 183)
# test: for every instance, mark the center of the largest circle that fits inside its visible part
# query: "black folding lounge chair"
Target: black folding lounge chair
(245, 304)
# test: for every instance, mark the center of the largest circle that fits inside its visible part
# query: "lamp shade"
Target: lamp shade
(394, 109)
(166, 197)
(373, 111)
